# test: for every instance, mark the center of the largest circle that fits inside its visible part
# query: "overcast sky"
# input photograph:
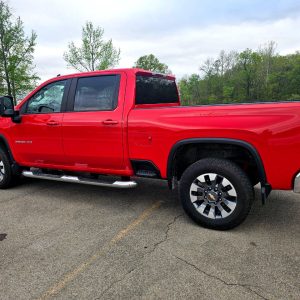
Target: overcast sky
(180, 33)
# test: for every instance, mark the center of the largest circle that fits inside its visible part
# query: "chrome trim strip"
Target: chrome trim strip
(75, 179)
(297, 183)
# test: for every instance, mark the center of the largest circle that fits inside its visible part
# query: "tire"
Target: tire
(216, 193)
(7, 179)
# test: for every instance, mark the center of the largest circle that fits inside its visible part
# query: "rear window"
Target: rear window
(155, 90)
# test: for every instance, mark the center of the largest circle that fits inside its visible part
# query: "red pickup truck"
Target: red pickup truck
(129, 123)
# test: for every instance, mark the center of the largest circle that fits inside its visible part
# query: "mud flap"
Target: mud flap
(265, 192)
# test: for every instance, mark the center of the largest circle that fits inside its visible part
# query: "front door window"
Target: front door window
(48, 99)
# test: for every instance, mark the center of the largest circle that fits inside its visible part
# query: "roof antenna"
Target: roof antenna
(57, 75)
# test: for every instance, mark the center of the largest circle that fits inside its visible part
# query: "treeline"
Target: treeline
(247, 76)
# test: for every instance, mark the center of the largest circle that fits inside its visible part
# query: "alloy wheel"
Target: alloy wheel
(213, 196)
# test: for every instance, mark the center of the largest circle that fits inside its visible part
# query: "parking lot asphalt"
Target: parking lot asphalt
(68, 241)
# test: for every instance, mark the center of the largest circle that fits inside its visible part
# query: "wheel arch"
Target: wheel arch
(265, 187)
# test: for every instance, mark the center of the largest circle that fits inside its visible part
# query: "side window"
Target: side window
(48, 99)
(155, 90)
(97, 93)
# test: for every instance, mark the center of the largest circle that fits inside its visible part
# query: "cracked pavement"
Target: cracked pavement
(49, 229)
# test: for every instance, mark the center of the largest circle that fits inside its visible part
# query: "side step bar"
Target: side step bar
(75, 179)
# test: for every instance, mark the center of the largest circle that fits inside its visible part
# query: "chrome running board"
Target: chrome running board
(75, 179)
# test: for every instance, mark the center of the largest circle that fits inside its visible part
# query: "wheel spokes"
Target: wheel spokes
(219, 179)
(202, 207)
(212, 212)
(198, 203)
(213, 195)
(231, 198)
(218, 212)
(207, 179)
(198, 183)
(227, 188)
(229, 204)
(223, 212)
(196, 193)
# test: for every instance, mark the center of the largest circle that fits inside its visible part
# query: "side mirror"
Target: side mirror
(8, 113)
(7, 106)
(7, 109)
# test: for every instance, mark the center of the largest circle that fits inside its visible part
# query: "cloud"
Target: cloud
(188, 48)
(180, 33)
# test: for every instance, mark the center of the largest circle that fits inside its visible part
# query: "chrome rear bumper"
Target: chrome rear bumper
(297, 183)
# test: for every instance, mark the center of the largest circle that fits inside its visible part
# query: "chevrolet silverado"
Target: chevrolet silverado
(129, 123)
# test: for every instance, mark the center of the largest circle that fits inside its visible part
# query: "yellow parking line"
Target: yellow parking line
(70, 276)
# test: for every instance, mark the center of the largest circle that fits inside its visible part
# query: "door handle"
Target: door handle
(110, 122)
(52, 123)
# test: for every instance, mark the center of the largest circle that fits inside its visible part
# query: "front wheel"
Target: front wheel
(216, 193)
(7, 179)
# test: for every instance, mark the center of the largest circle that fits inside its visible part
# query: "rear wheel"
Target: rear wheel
(216, 193)
(6, 175)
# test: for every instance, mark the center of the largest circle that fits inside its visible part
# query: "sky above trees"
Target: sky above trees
(182, 34)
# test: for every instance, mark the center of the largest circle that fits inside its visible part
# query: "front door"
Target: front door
(93, 128)
(38, 138)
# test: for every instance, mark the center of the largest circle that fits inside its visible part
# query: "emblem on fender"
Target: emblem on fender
(23, 142)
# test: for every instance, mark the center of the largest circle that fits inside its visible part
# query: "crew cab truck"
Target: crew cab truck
(129, 122)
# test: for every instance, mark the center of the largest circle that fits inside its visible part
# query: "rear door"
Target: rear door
(92, 125)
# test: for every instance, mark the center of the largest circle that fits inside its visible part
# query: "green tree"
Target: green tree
(94, 53)
(248, 76)
(151, 63)
(268, 54)
(190, 90)
(16, 55)
(249, 62)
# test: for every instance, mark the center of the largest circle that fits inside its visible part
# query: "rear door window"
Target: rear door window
(97, 93)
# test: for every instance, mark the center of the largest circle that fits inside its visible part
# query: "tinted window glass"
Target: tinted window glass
(153, 90)
(48, 99)
(97, 93)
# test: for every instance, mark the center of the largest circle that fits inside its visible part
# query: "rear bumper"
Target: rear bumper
(297, 183)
